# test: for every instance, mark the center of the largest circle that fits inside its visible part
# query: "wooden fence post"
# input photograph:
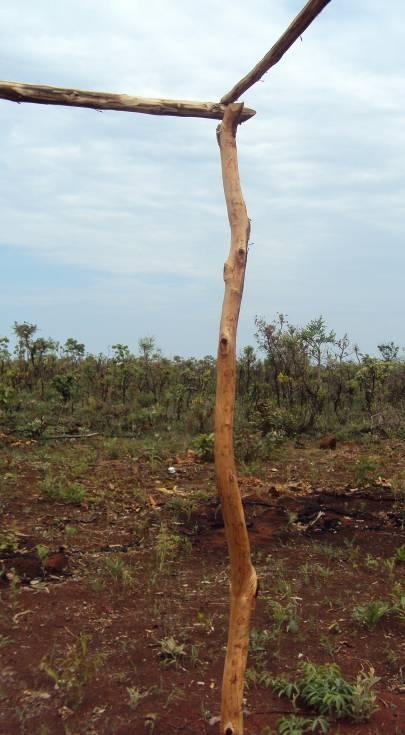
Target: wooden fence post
(243, 585)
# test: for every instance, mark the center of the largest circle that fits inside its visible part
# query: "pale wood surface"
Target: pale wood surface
(243, 576)
(294, 30)
(46, 95)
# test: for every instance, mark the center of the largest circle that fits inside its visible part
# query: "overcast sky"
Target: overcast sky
(113, 225)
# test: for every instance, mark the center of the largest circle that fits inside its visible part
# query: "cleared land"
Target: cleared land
(113, 613)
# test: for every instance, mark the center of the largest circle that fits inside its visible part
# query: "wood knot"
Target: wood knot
(242, 254)
(223, 345)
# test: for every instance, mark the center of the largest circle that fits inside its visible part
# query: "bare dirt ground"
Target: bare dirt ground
(113, 610)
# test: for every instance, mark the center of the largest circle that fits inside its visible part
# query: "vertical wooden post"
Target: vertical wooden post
(243, 585)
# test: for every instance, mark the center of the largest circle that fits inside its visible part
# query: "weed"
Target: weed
(305, 571)
(394, 662)
(72, 673)
(286, 688)
(194, 655)
(365, 471)
(138, 494)
(392, 658)
(168, 545)
(314, 573)
(206, 620)
(14, 594)
(371, 562)
(136, 695)
(335, 628)
(112, 449)
(297, 725)
(117, 570)
(171, 652)
(371, 613)
(275, 565)
(69, 533)
(175, 695)
(252, 677)
(258, 642)
(398, 510)
(8, 539)
(182, 508)
(204, 496)
(363, 698)
(398, 485)
(332, 552)
(55, 488)
(397, 598)
(4, 641)
(283, 587)
(399, 556)
(43, 553)
(324, 689)
(353, 551)
(292, 517)
(329, 646)
(112, 570)
(389, 566)
(285, 615)
(152, 454)
(150, 722)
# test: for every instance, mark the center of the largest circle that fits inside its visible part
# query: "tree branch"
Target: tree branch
(243, 575)
(294, 30)
(47, 95)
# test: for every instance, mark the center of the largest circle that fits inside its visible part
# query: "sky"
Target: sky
(113, 225)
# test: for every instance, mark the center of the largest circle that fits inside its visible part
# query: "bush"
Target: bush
(204, 446)
(248, 443)
(287, 421)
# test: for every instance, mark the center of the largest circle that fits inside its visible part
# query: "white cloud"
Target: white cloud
(121, 195)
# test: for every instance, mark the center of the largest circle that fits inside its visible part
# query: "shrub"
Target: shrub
(248, 443)
(204, 446)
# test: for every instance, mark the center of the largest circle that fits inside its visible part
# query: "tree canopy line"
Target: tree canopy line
(297, 380)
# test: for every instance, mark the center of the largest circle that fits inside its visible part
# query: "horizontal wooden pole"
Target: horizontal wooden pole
(294, 30)
(45, 95)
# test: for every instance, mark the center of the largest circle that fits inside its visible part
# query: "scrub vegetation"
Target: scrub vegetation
(113, 561)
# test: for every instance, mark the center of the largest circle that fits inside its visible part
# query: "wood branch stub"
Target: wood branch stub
(46, 95)
(243, 576)
(294, 31)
